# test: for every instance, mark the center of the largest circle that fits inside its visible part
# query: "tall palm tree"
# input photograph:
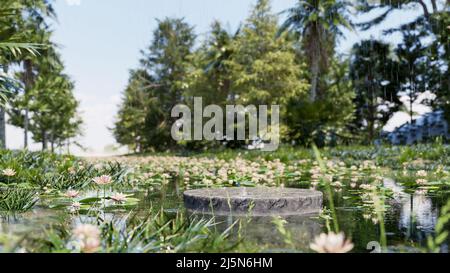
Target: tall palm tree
(220, 51)
(11, 41)
(317, 23)
(35, 29)
(11, 47)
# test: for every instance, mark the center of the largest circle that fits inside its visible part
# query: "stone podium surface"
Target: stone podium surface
(258, 201)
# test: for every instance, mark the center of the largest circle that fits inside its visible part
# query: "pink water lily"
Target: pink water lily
(88, 237)
(102, 180)
(119, 197)
(71, 193)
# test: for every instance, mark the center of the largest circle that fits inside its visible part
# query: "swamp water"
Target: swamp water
(409, 219)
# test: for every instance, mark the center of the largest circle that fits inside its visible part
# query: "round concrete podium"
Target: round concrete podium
(258, 201)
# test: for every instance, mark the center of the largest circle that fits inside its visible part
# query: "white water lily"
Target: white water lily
(9, 172)
(421, 173)
(72, 170)
(421, 181)
(331, 243)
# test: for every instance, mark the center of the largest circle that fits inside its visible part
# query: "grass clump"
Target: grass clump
(17, 199)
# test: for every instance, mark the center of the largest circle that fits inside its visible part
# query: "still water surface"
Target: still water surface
(410, 218)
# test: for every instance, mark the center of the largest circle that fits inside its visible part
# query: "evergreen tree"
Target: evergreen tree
(432, 24)
(376, 78)
(165, 69)
(211, 72)
(264, 68)
(440, 57)
(53, 107)
(51, 104)
(416, 67)
(130, 126)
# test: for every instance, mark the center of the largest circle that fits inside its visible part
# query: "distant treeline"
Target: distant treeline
(37, 94)
(325, 98)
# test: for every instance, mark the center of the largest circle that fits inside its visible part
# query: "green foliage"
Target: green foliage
(318, 24)
(130, 127)
(156, 88)
(50, 102)
(350, 98)
(376, 78)
(211, 73)
(324, 122)
(25, 39)
(415, 66)
(17, 199)
(441, 51)
(157, 233)
(264, 68)
(435, 242)
(13, 41)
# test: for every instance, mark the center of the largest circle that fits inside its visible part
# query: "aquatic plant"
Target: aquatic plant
(331, 243)
(17, 199)
(131, 234)
(352, 178)
(441, 233)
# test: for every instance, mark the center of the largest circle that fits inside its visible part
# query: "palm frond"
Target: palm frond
(18, 48)
(378, 20)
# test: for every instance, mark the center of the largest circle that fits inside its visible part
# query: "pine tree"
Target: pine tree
(210, 76)
(162, 81)
(376, 78)
(264, 67)
(130, 126)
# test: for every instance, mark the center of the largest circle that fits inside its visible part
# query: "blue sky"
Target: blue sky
(101, 39)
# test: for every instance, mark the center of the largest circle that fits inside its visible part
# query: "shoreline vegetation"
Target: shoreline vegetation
(333, 108)
(134, 203)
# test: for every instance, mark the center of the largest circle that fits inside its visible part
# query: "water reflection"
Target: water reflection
(410, 218)
(415, 210)
(261, 231)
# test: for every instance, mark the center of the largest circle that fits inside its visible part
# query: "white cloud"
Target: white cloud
(73, 2)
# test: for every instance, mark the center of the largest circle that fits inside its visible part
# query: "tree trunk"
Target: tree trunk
(434, 5)
(44, 140)
(2, 128)
(52, 143)
(25, 129)
(412, 93)
(313, 45)
(371, 119)
(372, 108)
(314, 78)
(411, 113)
(426, 13)
(28, 81)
